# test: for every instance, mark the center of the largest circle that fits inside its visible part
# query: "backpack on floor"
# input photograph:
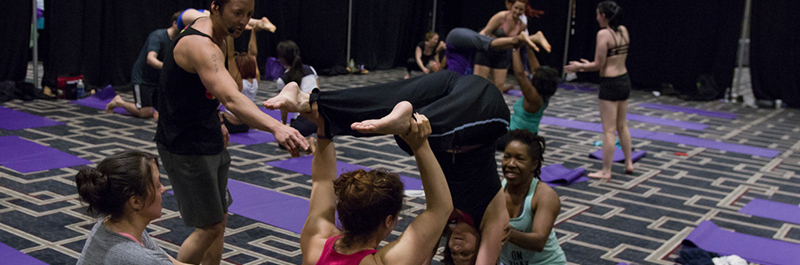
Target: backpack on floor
(706, 89)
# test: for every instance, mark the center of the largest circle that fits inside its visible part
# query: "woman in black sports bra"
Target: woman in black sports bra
(615, 85)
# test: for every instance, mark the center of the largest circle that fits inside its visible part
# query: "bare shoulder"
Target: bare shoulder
(545, 194)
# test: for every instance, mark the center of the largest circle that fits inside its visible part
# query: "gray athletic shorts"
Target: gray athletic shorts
(200, 183)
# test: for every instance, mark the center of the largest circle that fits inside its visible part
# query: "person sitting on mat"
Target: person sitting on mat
(505, 23)
(462, 43)
(126, 191)
(146, 71)
(426, 55)
(532, 204)
(368, 205)
(247, 67)
(306, 78)
(615, 84)
(467, 115)
(536, 90)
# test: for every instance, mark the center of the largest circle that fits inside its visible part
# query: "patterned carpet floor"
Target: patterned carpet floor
(639, 218)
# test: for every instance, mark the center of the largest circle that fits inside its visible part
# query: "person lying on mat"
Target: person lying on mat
(126, 191)
(532, 204)
(536, 91)
(467, 115)
(368, 204)
(146, 72)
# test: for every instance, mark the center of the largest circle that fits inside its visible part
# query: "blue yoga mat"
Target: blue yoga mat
(12, 256)
(251, 137)
(712, 238)
(16, 120)
(303, 165)
(25, 156)
(666, 137)
(715, 114)
(558, 175)
(773, 210)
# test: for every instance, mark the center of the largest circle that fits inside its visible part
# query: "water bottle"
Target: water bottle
(79, 88)
(778, 104)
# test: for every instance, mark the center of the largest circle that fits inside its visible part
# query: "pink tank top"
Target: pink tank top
(331, 257)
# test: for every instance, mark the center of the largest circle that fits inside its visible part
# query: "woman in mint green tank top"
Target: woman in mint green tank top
(536, 90)
(532, 205)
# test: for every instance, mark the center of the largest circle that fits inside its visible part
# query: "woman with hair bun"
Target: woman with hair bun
(368, 205)
(125, 190)
(615, 84)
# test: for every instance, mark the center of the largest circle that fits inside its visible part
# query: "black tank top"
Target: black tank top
(188, 122)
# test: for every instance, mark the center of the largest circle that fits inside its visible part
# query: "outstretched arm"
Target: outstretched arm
(599, 56)
(201, 55)
(320, 223)
(492, 231)
(546, 206)
(532, 98)
(423, 233)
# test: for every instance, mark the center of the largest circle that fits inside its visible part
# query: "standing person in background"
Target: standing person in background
(146, 72)
(615, 84)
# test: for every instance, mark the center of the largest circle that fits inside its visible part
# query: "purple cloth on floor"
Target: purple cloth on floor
(619, 156)
(302, 165)
(100, 100)
(252, 137)
(514, 92)
(107, 92)
(712, 238)
(772, 210)
(666, 137)
(16, 120)
(666, 122)
(25, 156)
(12, 256)
(558, 175)
(267, 206)
(716, 114)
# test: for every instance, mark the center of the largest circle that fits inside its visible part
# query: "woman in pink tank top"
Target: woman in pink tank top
(368, 203)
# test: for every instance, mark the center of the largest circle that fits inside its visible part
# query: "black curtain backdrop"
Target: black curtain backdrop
(16, 39)
(774, 55)
(672, 41)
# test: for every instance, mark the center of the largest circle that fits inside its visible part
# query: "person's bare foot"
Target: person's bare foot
(407, 76)
(265, 24)
(600, 175)
(291, 99)
(629, 168)
(527, 40)
(397, 122)
(113, 104)
(312, 145)
(541, 40)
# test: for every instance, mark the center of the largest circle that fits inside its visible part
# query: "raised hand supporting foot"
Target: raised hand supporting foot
(397, 122)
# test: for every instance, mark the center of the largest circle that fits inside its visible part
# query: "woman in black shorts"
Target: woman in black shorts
(615, 85)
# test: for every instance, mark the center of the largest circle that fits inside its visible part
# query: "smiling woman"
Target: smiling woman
(532, 205)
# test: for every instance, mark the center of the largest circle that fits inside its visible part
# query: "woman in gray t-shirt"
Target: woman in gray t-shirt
(126, 191)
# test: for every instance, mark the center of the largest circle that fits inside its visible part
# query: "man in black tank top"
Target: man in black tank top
(190, 137)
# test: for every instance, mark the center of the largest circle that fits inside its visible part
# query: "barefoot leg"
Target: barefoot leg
(397, 122)
(113, 104)
(541, 40)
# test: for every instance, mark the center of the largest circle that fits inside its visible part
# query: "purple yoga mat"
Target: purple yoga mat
(100, 100)
(17, 120)
(666, 122)
(710, 237)
(25, 156)
(13, 256)
(723, 115)
(558, 175)
(267, 206)
(302, 165)
(252, 137)
(773, 210)
(666, 137)
(619, 156)
(514, 92)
